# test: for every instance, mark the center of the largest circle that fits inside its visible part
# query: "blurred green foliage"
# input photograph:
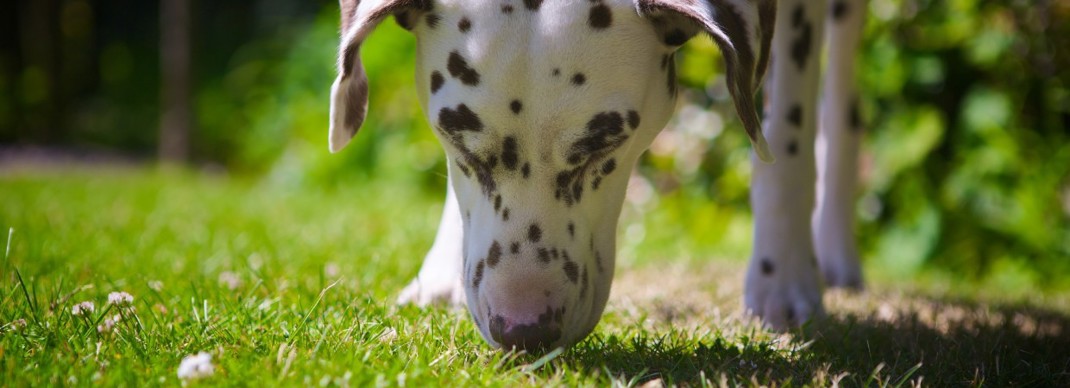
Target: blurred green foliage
(965, 167)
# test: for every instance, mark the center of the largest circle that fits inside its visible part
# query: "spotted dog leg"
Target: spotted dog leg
(837, 149)
(783, 286)
(440, 277)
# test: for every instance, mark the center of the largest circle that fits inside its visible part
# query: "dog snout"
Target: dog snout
(534, 336)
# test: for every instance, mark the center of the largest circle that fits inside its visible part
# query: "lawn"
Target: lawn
(289, 285)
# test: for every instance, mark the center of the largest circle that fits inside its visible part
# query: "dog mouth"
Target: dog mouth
(535, 282)
(536, 308)
(538, 336)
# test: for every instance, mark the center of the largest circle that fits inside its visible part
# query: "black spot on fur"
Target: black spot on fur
(675, 37)
(609, 166)
(510, 157)
(515, 106)
(839, 9)
(507, 8)
(403, 20)
(572, 271)
(798, 16)
(525, 170)
(464, 169)
(633, 119)
(556, 72)
(459, 69)
(534, 233)
(514, 247)
(532, 5)
(497, 202)
(544, 255)
(795, 115)
(494, 254)
(546, 317)
(423, 5)
(793, 148)
(478, 275)
(596, 182)
(505, 214)
(801, 45)
(604, 131)
(571, 230)
(766, 266)
(598, 259)
(433, 19)
(600, 17)
(585, 283)
(464, 25)
(453, 121)
(670, 77)
(665, 61)
(436, 81)
(578, 79)
(451, 124)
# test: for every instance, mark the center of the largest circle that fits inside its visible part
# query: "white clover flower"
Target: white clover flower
(196, 367)
(17, 324)
(156, 285)
(230, 279)
(121, 298)
(83, 308)
(331, 270)
(109, 324)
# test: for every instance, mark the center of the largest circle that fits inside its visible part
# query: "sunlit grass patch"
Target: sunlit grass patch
(252, 283)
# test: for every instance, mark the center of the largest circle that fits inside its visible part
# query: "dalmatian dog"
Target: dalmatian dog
(544, 107)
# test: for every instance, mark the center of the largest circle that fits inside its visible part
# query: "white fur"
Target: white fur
(782, 194)
(837, 162)
(532, 57)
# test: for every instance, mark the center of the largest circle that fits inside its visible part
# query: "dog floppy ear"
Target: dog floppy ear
(743, 29)
(349, 94)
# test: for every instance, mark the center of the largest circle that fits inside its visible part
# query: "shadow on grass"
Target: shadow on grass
(937, 342)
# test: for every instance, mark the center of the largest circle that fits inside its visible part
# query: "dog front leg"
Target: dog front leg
(837, 145)
(440, 280)
(782, 285)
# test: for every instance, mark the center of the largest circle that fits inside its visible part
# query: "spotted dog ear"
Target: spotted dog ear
(349, 94)
(743, 29)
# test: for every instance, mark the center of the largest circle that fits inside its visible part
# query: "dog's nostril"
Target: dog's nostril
(530, 337)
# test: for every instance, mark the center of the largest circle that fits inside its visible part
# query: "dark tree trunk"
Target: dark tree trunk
(175, 112)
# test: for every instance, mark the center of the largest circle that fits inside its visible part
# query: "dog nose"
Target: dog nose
(535, 336)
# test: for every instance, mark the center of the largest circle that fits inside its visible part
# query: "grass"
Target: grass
(287, 286)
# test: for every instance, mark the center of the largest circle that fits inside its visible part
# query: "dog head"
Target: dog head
(543, 108)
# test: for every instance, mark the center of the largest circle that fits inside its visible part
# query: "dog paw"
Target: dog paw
(784, 293)
(837, 256)
(432, 290)
(842, 272)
